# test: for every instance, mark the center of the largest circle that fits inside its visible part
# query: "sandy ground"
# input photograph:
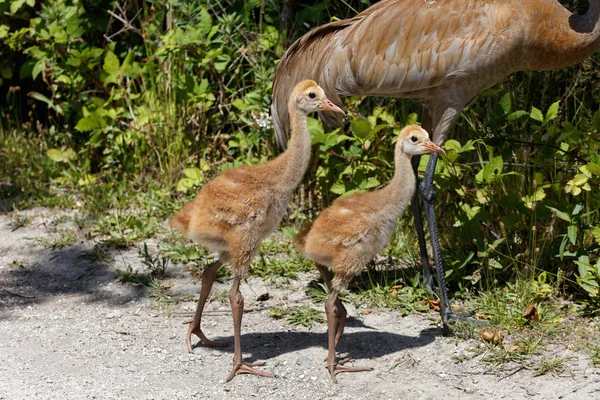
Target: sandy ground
(68, 331)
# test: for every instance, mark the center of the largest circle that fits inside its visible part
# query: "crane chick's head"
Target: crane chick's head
(308, 97)
(415, 140)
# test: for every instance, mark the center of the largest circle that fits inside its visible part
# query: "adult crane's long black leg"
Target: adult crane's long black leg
(427, 193)
(427, 278)
(441, 118)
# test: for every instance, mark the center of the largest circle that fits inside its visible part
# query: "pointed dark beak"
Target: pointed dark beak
(327, 105)
(432, 147)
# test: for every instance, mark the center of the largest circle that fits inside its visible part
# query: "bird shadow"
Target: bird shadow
(357, 345)
(67, 271)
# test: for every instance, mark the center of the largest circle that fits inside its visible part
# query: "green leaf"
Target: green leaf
(194, 173)
(537, 115)
(239, 104)
(74, 62)
(111, 63)
(4, 30)
(579, 180)
(57, 155)
(16, 6)
(412, 119)
(596, 234)
(572, 233)
(86, 179)
(338, 188)
(491, 171)
(505, 103)
(369, 183)
(314, 126)
(204, 21)
(204, 165)
(37, 68)
(88, 123)
(531, 200)
(452, 145)
(361, 128)
(516, 114)
(560, 214)
(593, 168)
(552, 112)
(221, 62)
(577, 209)
(41, 97)
(469, 146)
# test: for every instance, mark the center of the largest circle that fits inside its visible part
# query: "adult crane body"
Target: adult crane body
(440, 53)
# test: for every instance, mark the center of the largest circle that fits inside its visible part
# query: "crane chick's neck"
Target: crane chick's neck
(402, 186)
(294, 161)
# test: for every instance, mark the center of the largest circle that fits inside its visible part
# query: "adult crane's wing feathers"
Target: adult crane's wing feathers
(395, 48)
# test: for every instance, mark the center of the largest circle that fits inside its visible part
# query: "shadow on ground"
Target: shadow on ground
(47, 273)
(356, 345)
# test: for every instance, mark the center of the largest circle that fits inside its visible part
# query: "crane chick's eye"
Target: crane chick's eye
(414, 139)
(312, 95)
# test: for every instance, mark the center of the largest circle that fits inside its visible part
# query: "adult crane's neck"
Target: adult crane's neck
(402, 186)
(561, 38)
(295, 159)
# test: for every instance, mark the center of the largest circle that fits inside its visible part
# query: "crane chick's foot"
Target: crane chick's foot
(247, 368)
(198, 332)
(338, 367)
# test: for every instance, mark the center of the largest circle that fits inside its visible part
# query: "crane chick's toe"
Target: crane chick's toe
(195, 330)
(248, 368)
(339, 367)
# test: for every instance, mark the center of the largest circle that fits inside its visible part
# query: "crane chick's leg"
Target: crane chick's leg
(335, 367)
(208, 277)
(340, 309)
(237, 308)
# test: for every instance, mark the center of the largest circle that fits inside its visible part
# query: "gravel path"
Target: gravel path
(68, 331)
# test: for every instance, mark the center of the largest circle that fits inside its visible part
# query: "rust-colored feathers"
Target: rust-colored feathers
(234, 212)
(346, 235)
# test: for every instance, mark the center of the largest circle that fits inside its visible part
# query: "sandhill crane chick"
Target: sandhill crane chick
(349, 233)
(234, 212)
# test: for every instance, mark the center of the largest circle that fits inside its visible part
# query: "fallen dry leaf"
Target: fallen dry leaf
(491, 336)
(434, 304)
(531, 314)
(168, 284)
(366, 311)
(486, 317)
(514, 348)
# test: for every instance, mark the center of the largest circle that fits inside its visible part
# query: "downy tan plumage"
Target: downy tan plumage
(349, 233)
(234, 212)
(441, 53)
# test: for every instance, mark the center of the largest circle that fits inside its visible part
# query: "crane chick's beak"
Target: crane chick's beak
(432, 147)
(327, 105)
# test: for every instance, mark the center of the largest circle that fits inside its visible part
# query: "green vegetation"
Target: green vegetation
(298, 315)
(123, 110)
